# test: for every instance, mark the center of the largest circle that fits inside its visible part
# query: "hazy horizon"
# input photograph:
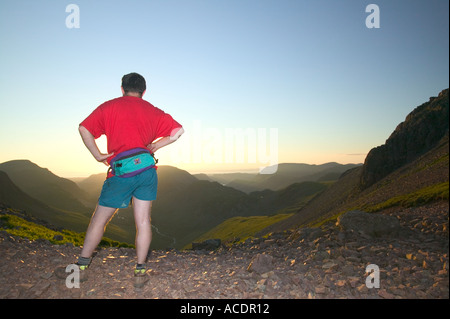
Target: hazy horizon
(192, 172)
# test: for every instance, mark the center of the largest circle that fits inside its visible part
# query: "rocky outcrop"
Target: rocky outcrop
(422, 129)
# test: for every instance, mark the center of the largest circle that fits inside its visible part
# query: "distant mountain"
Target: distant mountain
(410, 169)
(41, 184)
(203, 177)
(288, 174)
(13, 196)
(285, 175)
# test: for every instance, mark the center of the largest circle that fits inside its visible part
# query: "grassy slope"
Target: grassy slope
(17, 226)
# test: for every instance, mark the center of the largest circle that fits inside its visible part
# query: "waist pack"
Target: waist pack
(132, 162)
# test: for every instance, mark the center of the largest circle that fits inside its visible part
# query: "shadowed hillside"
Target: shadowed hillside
(45, 186)
(12, 196)
(77, 220)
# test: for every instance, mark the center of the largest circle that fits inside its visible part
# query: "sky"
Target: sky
(253, 82)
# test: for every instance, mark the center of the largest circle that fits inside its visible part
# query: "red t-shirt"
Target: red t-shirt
(129, 122)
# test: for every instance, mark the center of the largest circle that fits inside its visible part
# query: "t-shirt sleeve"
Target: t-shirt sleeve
(94, 123)
(167, 126)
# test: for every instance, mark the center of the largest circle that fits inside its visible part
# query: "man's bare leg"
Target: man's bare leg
(96, 229)
(142, 213)
(100, 218)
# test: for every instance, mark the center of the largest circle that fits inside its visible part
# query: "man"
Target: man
(129, 123)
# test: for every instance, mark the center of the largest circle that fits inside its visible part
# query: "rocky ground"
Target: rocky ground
(327, 262)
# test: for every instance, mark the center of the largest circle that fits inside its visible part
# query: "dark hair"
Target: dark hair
(133, 82)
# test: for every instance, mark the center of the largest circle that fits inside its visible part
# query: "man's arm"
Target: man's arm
(153, 147)
(89, 141)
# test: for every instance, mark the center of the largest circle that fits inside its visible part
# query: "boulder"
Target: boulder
(369, 224)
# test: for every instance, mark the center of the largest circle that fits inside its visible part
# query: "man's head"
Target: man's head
(133, 84)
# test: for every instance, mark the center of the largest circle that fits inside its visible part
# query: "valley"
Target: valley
(186, 207)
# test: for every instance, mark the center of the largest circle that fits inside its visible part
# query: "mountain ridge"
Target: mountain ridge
(13, 196)
(285, 175)
(59, 192)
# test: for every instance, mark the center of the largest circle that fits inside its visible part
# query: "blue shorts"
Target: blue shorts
(117, 191)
